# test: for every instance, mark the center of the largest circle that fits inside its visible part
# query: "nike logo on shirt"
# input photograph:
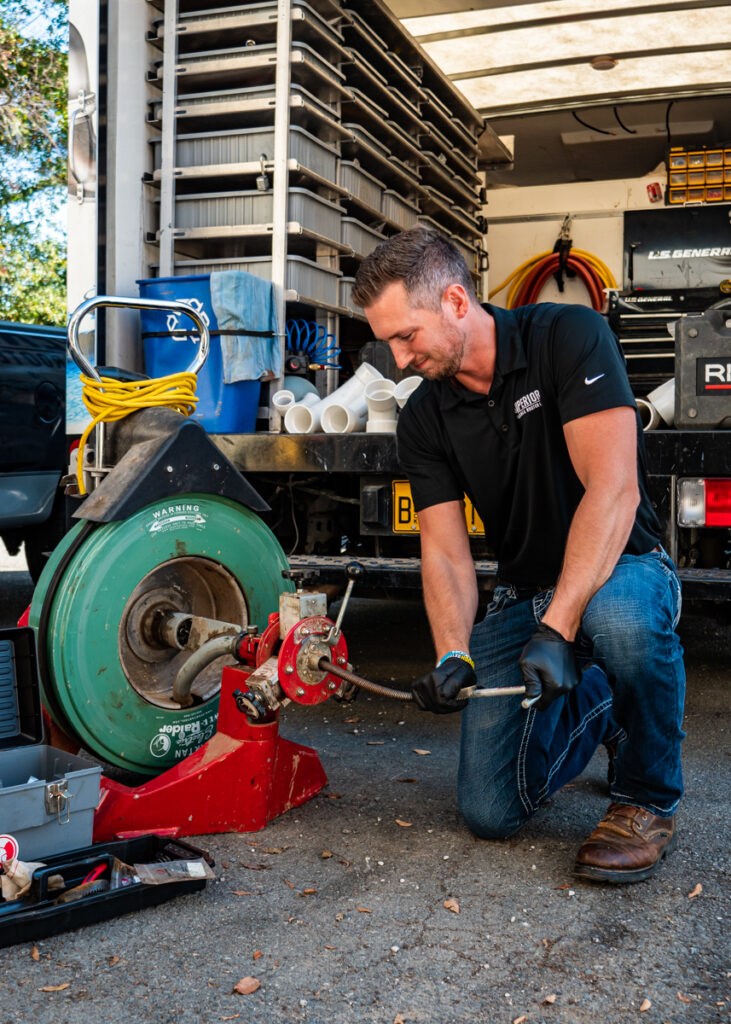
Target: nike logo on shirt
(593, 380)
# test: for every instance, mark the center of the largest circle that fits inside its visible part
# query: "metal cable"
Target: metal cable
(365, 684)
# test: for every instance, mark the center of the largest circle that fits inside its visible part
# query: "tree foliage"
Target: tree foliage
(33, 104)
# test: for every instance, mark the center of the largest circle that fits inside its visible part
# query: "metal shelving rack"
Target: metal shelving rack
(288, 138)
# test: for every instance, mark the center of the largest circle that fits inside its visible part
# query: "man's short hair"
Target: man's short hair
(424, 260)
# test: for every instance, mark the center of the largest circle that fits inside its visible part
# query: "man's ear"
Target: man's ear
(456, 299)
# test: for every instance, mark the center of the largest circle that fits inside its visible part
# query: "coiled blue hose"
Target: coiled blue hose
(313, 340)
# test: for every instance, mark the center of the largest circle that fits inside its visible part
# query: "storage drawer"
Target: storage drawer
(398, 210)
(360, 238)
(224, 209)
(312, 282)
(246, 145)
(361, 184)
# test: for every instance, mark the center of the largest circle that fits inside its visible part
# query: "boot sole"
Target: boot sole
(620, 877)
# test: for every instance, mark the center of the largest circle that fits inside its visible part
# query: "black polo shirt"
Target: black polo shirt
(507, 451)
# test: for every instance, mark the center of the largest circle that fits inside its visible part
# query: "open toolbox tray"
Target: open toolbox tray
(39, 916)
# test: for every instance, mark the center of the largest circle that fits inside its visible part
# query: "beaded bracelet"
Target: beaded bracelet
(462, 655)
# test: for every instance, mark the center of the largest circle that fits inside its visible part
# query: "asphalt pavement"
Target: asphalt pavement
(373, 903)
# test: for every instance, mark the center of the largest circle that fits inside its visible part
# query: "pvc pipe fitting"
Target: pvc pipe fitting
(282, 400)
(404, 388)
(379, 396)
(303, 417)
(658, 409)
(349, 401)
(307, 415)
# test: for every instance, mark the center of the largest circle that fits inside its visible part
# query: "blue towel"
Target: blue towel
(242, 301)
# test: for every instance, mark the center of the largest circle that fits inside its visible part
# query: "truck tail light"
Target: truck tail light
(704, 503)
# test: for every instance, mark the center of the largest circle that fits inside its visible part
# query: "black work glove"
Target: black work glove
(549, 667)
(436, 691)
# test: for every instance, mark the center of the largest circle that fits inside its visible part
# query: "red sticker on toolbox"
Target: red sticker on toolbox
(9, 848)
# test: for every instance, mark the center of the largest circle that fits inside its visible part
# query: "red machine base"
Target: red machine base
(239, 780)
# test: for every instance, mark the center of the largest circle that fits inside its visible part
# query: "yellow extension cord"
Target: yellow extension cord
(519, 275)
(113, 400)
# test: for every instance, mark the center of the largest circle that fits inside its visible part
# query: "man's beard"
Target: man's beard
(447, 366)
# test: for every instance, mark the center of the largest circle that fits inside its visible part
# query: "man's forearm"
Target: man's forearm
(599, 531)
(450, 596)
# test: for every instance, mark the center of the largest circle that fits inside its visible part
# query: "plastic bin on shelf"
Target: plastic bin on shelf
(222, 408)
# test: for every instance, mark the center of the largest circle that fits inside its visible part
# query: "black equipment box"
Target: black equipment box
(678, 258)
(703, 370)
(39, 915)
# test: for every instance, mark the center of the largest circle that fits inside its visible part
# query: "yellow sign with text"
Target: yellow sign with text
(405, 519)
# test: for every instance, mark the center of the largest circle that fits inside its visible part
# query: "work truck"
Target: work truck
(287, 138)
(230, 166)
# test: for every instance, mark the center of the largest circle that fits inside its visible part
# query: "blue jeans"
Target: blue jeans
(512, 760)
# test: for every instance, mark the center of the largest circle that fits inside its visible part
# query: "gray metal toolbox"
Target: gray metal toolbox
(47, 796)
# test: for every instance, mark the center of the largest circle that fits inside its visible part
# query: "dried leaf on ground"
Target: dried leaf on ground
(326, 853)
(331, 947)
(334, 796)
(352, 721)
(256, 867)
(549, 1000)
(290, 885)
(308, 892)
(258, 954)
(645, 1005)
(417, 751)
(684, 999)
(233, 1016)
(364, 910)
(452, 904)
(520, 1020)
(241, 892)
(113, 960)
(697, 890)
(403, 824)
(406, 780)
(566, 885)
(55, 988)
(375, 743)
(399, 1019)
(340, 916)
(274, 849)
(35, 954)
(246, 986)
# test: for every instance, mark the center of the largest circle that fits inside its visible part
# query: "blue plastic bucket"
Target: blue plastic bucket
(222, 408)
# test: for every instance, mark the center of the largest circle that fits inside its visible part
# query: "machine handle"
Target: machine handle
(118, 302)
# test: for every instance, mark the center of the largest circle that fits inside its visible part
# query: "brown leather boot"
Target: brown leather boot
(628, 845)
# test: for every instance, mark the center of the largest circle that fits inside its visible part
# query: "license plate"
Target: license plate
(405, 519)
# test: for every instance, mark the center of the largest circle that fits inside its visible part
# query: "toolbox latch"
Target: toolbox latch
(58, 800)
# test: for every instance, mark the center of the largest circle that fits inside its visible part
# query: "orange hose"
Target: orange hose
(540, 273)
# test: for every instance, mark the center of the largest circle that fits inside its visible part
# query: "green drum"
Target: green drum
(108, 679)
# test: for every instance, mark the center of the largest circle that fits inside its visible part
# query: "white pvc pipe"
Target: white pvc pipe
(303, 417)
(282, 400)
(658, 409)
(404, 388)
(349, 397)
(379, 395)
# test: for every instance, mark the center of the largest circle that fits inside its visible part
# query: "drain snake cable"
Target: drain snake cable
(107, 400)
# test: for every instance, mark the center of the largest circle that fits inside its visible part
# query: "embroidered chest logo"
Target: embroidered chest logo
(528, 403)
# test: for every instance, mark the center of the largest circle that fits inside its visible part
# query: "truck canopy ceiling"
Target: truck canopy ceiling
(588, 89)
